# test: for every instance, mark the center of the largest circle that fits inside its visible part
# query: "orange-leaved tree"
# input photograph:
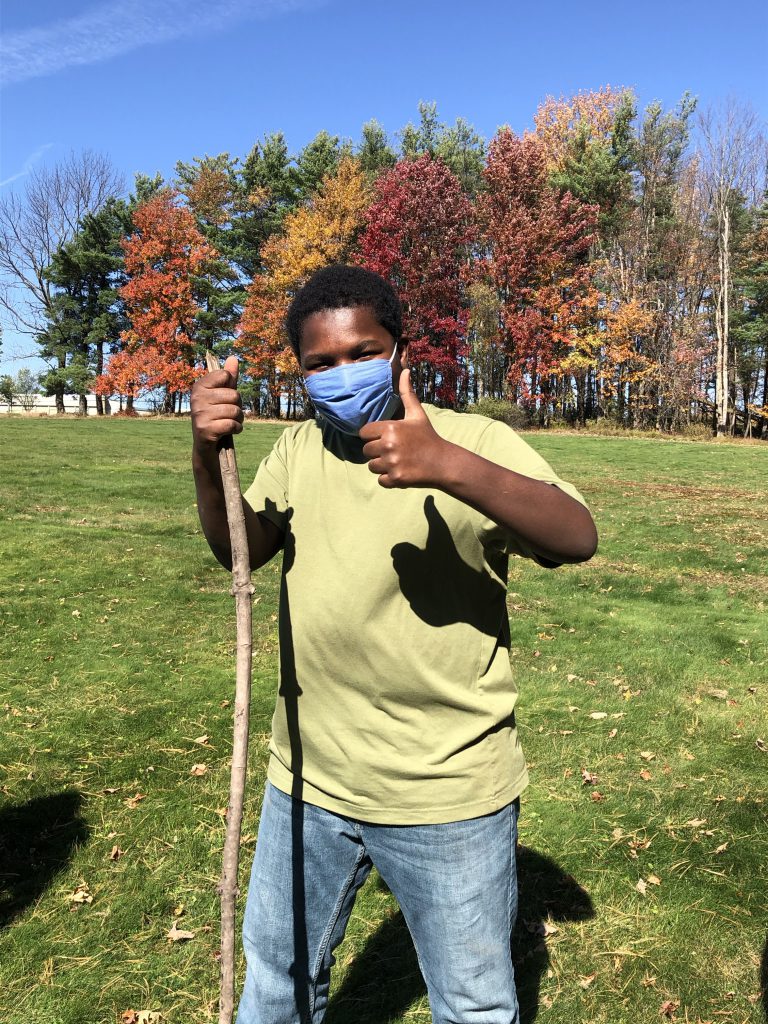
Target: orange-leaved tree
(164, 256)
(320, 233)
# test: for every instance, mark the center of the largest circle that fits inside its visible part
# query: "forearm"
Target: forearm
(553, 524)
(264, 538)
(211, 507)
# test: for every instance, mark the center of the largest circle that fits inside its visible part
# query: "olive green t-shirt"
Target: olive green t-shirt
(396, 697)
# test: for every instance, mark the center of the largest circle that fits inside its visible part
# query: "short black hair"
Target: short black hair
(341, 286)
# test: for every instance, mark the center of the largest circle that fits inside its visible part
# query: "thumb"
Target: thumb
(408, 396)
(231, 365)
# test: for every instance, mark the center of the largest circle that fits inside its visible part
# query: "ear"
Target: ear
(402, 352)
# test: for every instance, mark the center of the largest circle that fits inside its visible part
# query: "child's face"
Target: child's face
(349, 335)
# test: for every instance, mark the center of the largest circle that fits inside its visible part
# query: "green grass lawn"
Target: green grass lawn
(644, 892)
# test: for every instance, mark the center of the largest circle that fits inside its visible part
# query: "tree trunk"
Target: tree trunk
(721, 325)
(82, 409)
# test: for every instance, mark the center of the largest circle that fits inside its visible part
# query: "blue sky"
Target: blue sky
(150, 82)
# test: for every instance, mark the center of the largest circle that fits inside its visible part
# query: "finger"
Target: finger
(373, 449)
(408, 396)
(370, 431)
(227, 411)
(231, 365)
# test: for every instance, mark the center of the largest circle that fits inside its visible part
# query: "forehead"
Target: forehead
(338, 327)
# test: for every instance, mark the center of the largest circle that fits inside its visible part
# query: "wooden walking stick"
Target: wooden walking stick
(242, 590)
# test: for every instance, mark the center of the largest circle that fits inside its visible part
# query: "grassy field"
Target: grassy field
(643, 712)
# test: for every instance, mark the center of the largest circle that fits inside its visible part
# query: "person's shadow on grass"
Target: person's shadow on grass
(384, 980)
(37, 839)
(764, 980)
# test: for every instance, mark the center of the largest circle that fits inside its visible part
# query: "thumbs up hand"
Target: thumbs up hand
(407, 452)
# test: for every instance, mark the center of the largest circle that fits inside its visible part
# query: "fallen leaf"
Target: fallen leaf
(761, 745)
(721, 849)
(202, 740)
(696, 822)
(134, 801)
(116, 853)
(178, 935)
(647, 755)
(667, 1008)
(108, 792)
(588, 778)
(81, 894)
(598, 714)
(717, 694)
(129, 1017)
(653, 880)
(649, 980)
(596, 796)
(565, 732)
(645, 775)
(586, 980)
(570, 677)
(641, 886)
(198, 769)
(612, 733)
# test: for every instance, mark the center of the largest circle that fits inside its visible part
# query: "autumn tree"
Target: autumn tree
(164, 256)
(458, 146)
(321, 232)
(536, 244)
(418, 234)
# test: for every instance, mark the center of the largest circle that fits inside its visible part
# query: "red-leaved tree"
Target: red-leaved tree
(163, 257)
(418, 232)
(537, 243)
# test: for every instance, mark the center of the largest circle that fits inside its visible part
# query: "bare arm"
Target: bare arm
(216, 412)
(410, 453)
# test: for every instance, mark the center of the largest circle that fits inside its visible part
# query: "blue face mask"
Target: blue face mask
(353, 394)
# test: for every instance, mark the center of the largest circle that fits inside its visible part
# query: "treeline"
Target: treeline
(598, 266)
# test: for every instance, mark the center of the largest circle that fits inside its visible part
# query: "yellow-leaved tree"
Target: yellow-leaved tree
(322, 232)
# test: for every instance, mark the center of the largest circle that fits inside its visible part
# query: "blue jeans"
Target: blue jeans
(456, 885)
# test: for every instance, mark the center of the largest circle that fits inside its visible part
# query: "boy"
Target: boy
(394, 740)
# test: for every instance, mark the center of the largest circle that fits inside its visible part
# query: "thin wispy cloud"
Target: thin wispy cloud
(117, 27)
(28, 164)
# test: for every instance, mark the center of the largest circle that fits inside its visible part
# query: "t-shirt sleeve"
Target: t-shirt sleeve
(268, 495)
(501, 444)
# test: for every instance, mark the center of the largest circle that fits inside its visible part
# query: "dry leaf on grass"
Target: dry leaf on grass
(641, 886)
(667, 1009)
(647, 755)
(586, 980)
(588, 778)
(198, 769)
(140, 1017)
(134, 801)
(116, 853)
(82, 894)
(202, 740)
(597, 715)
(653, 880)
(178, 934)
(645, 775)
